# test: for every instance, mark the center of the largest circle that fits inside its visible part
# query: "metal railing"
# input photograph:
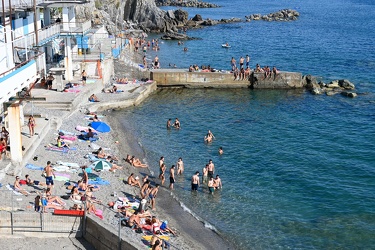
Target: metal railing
(20, 4)
(17, 214)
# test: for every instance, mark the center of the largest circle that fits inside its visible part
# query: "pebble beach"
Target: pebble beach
(190, 233)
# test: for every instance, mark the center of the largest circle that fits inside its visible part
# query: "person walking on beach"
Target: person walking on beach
(171, 177)
(31, 124)
(180, 166)
(145, 62)
(211, 169)
(162, 173)
(161, 161)
(48, 172)
(144, 189)
(84, 77)
(152, 196)
(156, 62)
(195, 181)
(205, 174)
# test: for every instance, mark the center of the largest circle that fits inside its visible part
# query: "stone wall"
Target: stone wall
(183, 78)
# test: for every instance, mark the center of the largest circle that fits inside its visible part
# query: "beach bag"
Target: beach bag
(139, 230)
(23, 182)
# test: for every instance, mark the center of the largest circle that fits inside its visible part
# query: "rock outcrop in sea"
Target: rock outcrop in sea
(188, 3)
(281, 15)
(344, 86)
(131, 14)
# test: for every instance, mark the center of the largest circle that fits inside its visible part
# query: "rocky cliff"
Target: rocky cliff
(128, 14)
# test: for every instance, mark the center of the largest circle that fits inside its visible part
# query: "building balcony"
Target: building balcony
(22, 75)
(76, 28)
(29, 4)
(45, 35)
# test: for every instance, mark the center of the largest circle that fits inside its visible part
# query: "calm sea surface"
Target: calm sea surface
(297, 170)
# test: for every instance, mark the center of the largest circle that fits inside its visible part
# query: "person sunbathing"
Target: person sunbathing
(55, 199)
(18, 188)
(114, 166)
(75, 195)
(101, 153)
(89, 194)
(137, 163)
(33, 182)
(134, 181)
(61, 143)
(93, 98)
(128, 159)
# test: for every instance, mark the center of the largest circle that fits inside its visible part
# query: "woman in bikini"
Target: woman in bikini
(31, 124)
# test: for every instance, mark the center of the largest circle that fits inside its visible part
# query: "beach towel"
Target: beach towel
(98, 181)
(91, 139)
(93, 158)
(72, 90)
(61, 178)
(68, 164)
(62, 175)
(96, 146)
(56, 149)
(11, 187)
(69, 137)
(33, 167)
(66, 132)
(64, 169)
(99, 213)
(85, 129)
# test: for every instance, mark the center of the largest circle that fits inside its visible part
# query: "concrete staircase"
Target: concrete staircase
(65, 106)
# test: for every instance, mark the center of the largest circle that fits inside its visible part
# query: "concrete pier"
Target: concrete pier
(184, 78)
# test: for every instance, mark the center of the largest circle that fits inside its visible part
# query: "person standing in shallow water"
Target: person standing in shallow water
(211, 169)
(169, 123)
(177, 123)
(171, 177)
(195, 181)
(205, 174)
(180, 166)
(211, 186)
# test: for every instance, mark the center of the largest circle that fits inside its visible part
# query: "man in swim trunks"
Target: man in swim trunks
(152, 195)
(18, 187)
(217, 182)
(195, 181)
(211, 169)
(241, 62)
(210, 185)
(48, 170)
(171, 177)
(50, 79)
(247, 60)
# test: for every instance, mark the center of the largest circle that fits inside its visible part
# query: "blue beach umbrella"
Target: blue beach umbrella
(100, 127)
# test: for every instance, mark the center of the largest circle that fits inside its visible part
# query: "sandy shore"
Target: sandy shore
(191, 233)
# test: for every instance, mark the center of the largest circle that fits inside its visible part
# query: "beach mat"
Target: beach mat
(68, 164)
(33, 167)
(66, 132)
(98, 181)
(11, 187)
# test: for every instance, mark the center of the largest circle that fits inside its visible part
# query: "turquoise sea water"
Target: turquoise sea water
(297, 169)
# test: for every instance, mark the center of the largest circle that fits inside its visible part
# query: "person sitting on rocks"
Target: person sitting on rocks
(93, 98)
(247, 73)
(267, 72)
(275, 72)
(258, 69)
(134, 181)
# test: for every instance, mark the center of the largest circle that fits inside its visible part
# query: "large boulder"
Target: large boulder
(349, 94)
(197, 18)
(346, 84)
